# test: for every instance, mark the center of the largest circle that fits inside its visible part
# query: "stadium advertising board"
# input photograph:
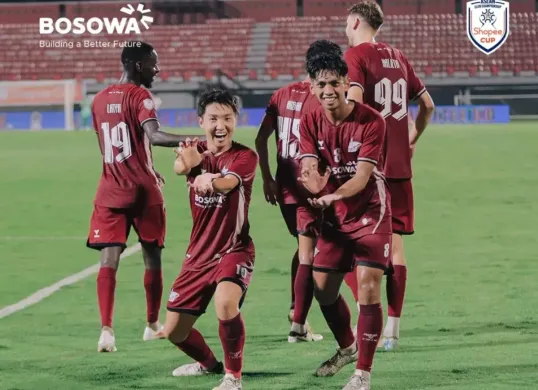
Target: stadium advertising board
(250, 117)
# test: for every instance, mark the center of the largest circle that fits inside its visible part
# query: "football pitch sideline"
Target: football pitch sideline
(469, 321)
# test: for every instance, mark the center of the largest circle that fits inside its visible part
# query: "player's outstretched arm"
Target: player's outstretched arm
(425, 112)
(358, 182)
(265, 131)
(160, 138)
(267, 128)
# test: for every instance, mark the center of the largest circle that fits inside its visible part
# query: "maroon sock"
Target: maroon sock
(106, 286)
(232, 337)
(369, 330)
(396, 290)
(196, 348)
(352, 283)
(338, 318)
(294, 267)
(304, 293)
(153, 283)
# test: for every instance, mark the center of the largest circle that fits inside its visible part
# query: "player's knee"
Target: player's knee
(369, 285)
(398, 256)
(110, 257)
(227, 309)
(306, 258)
(324, 294)
(152, 256)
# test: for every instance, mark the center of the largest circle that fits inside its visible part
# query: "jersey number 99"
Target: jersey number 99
(388, 93)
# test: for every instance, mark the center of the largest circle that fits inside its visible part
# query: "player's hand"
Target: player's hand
(325, 201)
(189, 154)
(313, 181)
(270, 190)
(203, 184)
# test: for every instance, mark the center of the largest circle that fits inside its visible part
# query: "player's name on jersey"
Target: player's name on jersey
(86, 43)
(390, 63)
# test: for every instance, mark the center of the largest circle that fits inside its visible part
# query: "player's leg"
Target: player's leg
(288, 212)
(234, 275)
(191, 293)
(330, 265)
(150, 225)
(373, 254)
(109, 229)
(304, 282)
(403, 224)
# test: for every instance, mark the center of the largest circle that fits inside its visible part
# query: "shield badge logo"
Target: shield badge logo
(488, 24)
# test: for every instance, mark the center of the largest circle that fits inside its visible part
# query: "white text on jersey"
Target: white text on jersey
(390, 63)
(113, 108)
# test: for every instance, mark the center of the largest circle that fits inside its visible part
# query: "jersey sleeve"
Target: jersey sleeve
(145, 107)
(307, 146)
(356, 68)
(272, 106)
(244, 166)
(373, 140)
(414, 83)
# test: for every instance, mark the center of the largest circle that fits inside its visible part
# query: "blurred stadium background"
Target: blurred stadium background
(470, 323)
(254, 47)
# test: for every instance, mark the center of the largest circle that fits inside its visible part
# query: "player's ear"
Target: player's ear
(356, 24)
(138, 66)
(312, 87)
(346, 83)
(201, 121)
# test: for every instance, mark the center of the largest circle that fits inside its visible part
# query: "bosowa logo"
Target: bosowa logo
(488, 24)
(126, 25)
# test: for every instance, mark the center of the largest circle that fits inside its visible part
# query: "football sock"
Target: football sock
(196, 348)
(294, 267)
(153, 283)
(106, 286)
(338, 318)
(369, 330)
(352, 283)
(304, 293)
(395, 298)
(232, 337)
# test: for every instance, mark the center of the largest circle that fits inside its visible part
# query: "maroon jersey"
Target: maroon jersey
(286, 107)
(128, 177)
(388, 82)
(220, 221)
(360, 137)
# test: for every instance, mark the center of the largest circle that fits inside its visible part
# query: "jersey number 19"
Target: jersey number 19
(116, 137)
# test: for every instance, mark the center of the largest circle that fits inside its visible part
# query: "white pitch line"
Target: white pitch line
(39, 295)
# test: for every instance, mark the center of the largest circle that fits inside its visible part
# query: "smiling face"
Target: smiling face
(330, 89)
(218, 122)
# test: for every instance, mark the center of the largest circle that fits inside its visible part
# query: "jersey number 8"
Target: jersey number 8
(116, 137)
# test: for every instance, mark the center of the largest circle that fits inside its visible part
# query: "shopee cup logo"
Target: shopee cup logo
(99, 25)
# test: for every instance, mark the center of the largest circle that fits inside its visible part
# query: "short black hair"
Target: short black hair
(326, 63)
(135, 51)
(370, 11)
(322, 46)
(217, 96)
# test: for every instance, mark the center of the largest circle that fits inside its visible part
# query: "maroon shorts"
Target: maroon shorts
(111, 227)
(193, 290)
(336, 253)
(403, 211)
(299, 219)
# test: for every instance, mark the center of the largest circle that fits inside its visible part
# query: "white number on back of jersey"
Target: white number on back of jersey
(287, 127)
(387, 93)
(116, 137)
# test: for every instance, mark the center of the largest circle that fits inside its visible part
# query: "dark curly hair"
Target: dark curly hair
(326, 63)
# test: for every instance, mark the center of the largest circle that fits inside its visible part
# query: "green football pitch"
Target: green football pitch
(469, 321)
